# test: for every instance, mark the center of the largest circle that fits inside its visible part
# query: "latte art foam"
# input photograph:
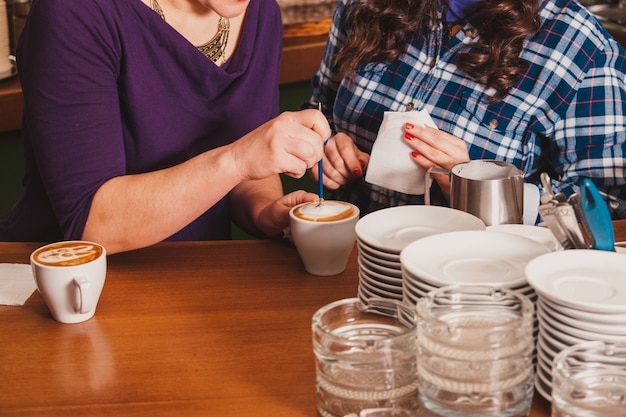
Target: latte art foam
(328, 211)
(67, 253)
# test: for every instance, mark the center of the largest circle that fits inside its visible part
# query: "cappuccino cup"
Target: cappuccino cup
(70, 276)
(324, 235)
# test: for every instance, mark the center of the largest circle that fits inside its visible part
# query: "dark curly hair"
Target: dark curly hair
(377, 29)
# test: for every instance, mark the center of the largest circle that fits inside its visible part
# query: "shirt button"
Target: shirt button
(385, 201)
(493, 123)
(433, 62)
(470, 33)
(410, 106)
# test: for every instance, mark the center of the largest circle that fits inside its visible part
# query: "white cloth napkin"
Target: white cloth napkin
(390, 164)
(16, 284)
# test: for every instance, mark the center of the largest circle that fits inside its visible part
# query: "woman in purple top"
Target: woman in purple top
(150, 120)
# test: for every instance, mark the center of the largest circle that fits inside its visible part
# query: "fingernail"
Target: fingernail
(357, 172)
(362, 162)
(409, 125)
(408, 137)
(414, 154)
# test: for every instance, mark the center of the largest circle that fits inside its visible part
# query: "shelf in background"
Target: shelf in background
(303, 48)
(11, 105)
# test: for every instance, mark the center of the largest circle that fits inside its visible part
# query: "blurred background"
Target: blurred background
(306, 24)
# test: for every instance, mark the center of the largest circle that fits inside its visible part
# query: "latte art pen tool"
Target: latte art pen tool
(320, 175)
(320, 182)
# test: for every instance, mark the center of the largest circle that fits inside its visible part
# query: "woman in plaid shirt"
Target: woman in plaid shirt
(538, 83)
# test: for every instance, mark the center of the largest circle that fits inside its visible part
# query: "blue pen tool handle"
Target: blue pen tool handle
(320, 181)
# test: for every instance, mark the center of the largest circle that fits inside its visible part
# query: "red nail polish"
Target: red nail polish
(409, 125)
(414, 154)
(408, 137)
(362, 162)
(357, 172)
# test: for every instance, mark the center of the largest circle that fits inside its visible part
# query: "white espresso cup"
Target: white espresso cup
(70, 276)
(324, 235)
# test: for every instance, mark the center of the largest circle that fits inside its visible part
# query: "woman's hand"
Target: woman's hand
(435, 148)
(274, 218)
(290, 144)
(343, 162)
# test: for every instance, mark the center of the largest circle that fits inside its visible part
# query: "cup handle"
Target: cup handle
(83, 302)
(428, 181)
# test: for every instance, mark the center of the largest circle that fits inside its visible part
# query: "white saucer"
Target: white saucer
(542, 235)
(364, 263)
(617, 328)
(386, 285)
(412, 281)
(583, 279)
(543, 380)
(571, 335)
(542, 389)
(413, 294)
(381, 292)
(378, 260)
(585, 316)
(391, 229)
(548, 352)
(366, 292)
(378, 253)
(477, 257)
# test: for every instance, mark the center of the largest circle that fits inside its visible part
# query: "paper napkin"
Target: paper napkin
(16, 284)
(390, 164)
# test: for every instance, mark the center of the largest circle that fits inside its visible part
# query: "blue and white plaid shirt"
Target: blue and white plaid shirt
(569, 107)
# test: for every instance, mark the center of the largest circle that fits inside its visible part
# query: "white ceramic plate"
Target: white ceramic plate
(377, 275)
(416, 293)
(378, 260)
(574, 335)
(583, 279)
(617, 328)
(540, 234)
(396, 288)
(388, 256)
(363, 262)
(542, 388)
(414, 282)
(471, 257)
(587, 317)
(547, 351)
(393, 228)
(373, 291)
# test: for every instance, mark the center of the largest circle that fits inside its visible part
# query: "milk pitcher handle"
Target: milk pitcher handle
(428, 181)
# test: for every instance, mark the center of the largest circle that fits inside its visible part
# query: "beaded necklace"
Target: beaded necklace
(214, 49)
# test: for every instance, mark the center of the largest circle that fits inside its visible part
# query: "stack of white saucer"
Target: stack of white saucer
(383, 234)
(492, 258)
(581, 297)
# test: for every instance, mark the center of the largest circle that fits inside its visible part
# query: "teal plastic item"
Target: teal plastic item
(596, 217)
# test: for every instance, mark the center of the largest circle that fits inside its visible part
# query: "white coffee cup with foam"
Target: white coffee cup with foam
(324, 235)
(70, 276)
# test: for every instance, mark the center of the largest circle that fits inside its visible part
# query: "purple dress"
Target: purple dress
(111, 89)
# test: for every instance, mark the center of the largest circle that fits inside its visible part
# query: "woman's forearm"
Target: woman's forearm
(134, 211)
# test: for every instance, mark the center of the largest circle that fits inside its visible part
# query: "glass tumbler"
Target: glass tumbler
(475, 350)
(365, 356)
(589, 380)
